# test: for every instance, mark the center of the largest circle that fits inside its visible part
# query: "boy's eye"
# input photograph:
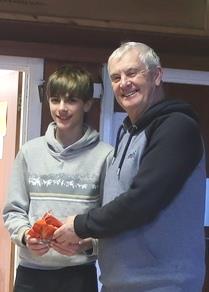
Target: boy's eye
(73, 99)
(69, 100)
(55, 99)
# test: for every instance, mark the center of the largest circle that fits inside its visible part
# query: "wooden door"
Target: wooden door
(9, 94)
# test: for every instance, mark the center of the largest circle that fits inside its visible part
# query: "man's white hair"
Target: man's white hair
(147, 55)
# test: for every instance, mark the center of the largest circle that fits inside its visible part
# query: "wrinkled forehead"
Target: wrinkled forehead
(124, 61)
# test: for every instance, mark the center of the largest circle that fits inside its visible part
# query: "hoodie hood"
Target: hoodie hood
(88, 140)
(160, 109)
(164, 107)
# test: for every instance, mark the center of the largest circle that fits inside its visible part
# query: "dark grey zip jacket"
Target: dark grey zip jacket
(152, 223)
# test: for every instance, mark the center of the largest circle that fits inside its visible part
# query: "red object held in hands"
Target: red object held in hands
(45, 227)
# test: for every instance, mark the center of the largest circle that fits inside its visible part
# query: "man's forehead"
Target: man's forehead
(117, 68)
(131, 56)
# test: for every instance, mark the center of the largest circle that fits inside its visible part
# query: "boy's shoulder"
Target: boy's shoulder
(33, 143)
(105, 145)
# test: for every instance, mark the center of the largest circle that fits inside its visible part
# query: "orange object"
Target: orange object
(45, 227)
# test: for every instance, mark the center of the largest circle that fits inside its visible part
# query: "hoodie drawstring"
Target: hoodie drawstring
(119, 137)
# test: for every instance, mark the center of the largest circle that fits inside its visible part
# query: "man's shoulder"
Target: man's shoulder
(173, 119)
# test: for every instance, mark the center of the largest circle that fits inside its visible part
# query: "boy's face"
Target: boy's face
(68, 114)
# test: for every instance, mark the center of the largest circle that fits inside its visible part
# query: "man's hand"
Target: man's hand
(72, 248)
(65, 234)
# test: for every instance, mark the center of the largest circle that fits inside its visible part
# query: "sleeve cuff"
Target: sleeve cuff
(79, 226)
(94, 250)
(21, 235)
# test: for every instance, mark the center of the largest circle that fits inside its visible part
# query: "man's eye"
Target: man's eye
(115, 79)
(131, 73)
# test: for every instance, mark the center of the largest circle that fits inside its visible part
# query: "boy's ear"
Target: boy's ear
(88, 105)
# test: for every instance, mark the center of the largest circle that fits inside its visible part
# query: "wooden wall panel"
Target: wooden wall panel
(149, 15)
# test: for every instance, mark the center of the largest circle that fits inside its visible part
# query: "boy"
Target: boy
(61, 172)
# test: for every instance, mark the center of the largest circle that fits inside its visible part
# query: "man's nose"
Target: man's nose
(124, 80)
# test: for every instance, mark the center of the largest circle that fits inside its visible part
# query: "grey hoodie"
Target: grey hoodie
(48, 177)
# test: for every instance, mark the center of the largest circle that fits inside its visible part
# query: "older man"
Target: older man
(151, 225)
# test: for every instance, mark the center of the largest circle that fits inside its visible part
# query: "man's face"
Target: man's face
(133, 85)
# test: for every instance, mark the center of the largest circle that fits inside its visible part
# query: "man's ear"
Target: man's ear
(88, 105)
(158, 76)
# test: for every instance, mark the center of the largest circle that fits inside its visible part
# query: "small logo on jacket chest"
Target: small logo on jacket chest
(132, 155)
